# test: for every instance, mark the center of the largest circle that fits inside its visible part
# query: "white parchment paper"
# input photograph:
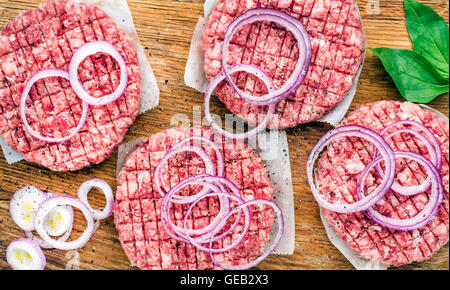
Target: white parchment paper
(357, 261)
(119, 11)
(195, 77)
(273, 150)
(125, 149)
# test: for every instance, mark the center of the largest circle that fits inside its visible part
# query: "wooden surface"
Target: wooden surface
(165, 29)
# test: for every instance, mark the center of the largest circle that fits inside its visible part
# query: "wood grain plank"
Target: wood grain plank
(165, 29)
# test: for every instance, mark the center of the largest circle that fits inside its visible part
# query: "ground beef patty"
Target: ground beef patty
(137, 208)
(338, 43)
(340, 165)
(47, 37)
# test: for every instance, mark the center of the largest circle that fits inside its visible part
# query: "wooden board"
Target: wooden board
(165, 29)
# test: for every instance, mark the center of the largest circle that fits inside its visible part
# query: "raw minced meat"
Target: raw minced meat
(47, 37)
(137, 209)
(338, 45)
(341, 163)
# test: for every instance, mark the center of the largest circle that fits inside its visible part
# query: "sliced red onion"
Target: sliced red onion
(217, 225)
(40, 242)
(59, 220)
(31, 197)
(23, 206)
(431, 165)
(415, 189)
(269, 250)
(103, 186)
(217, 181)
(220, 161)
(212, 185)
(43, 244)
(46, 73)
(65, 229)
(292, 25)
(210, 233)
(217, 80)
(431, 150)
(82, 53)
(384, 150)
(209, 183)
(428, 212)
(25, 254)
(43, 212)
(158, 178)
(428, 133)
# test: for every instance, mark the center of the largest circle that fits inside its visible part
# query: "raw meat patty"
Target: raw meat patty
(47, 37)
(137, 208)
(338, 43)
(340, 165)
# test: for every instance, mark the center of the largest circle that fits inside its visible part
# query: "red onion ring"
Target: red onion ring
(431, 165)
(103, 186)
(43, 244)
(292, 25)
(206, 182)
(210, 183)
(47, 206)
(427, 132)
(220, 161)
(209, 166)
(428, 212)
(218, 225)
(46, 73)
(266, 252)
(212, 186)
(27, 194)
(217, 80)
(39, 197)
(211, 234)
(165, 215)
(385, 151)
(415, 189)
(433, 155)
(89, 49)
(31, 249)
(217, 181)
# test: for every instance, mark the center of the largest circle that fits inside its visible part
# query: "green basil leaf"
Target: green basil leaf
(429, 34)
(414, 76)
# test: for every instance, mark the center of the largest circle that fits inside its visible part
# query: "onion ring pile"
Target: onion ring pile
(50, 215)
(273, 97)
(383, 152)
(84, 51)
(213, 185)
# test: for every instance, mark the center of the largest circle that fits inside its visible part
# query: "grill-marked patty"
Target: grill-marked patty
(338, 43)
(341, 163)
(137, 209)
(47, 37)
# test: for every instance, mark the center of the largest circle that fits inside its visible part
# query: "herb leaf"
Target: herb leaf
(429, 34)
(415, 77)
